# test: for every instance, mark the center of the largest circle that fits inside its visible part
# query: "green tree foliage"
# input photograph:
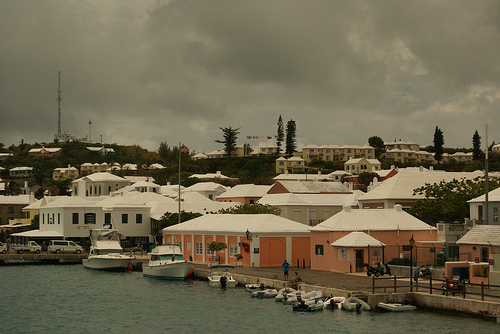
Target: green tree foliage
(255, 208)
(447, 201)
(291, 142)
(438, 144)
(170, 218)
(378, 144)
(476, 146)
(230, 136)
(12, 189)
(365, 178)
(215, 246)
(280, 135)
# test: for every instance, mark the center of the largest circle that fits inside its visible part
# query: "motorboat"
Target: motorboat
(267, 293)
(298, 296)
(309, 305)
(396, 307)
(167, 262)
(221, 270)
(334, 302)
(251, 287)
(106, 253)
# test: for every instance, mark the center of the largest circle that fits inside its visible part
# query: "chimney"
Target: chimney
(398, 208)
(347, 208)
(421, 169)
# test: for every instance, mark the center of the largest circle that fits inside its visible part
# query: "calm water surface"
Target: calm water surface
(71, 299)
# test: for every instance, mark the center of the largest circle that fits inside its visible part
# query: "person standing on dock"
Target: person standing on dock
(285, 266)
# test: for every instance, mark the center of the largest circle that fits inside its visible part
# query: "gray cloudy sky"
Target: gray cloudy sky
(150, 71)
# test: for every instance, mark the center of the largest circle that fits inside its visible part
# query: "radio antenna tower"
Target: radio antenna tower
(90, 128)
(59, 99)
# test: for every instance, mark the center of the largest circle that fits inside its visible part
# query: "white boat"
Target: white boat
(355, 304)
(395, 307)
(221, 270)
(267, 293)
(106, 252)
(334, 303)
(167, 261)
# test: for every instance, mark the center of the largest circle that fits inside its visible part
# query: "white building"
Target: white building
(98, 184)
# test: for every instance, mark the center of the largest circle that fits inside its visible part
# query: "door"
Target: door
(360, 260)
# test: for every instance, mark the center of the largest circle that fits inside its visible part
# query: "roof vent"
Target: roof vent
(347, 208)
(398, 207)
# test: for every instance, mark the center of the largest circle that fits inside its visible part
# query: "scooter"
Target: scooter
(384, 268)
(421, 273)
(370, 270)
(452, 286)
(379, 270)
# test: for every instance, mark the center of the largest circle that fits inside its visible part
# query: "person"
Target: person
(297, 278)
(285, 266)
(223, 282)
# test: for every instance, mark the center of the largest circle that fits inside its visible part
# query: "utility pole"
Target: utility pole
(486, 215)
(59, 99)
(90, 128)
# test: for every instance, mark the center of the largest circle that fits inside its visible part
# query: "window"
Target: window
(198, 248)
(90, 218)
(124, 218)
(138, 218)
(58, 218)
(107, 218)
(75, 217)
(339, 254)
(319, 249)
(233, 250)
(495, 214)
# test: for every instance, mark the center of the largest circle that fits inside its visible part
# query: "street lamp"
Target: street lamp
(412, 243)
(249, 235)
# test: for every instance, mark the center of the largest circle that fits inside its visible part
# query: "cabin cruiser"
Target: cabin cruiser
(167, 261)
(219, 271)
(106, 252)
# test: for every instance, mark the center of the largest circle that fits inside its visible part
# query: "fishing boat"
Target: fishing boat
(395, 307)
(221, 270)
(167, 262)
(106, 253)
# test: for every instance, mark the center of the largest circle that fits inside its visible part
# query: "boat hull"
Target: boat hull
(177, 270)
(394, 307)
(107, 263)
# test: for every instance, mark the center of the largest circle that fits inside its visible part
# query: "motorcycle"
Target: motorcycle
(452, 286)
(422, 273)
(379, 270)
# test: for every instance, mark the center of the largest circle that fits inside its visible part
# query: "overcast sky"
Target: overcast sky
(150, 71)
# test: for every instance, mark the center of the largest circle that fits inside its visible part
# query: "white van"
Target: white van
(64, 246)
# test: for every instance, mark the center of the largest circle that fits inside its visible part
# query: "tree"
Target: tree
(170, 218)
(280, 135)
(215, 247)
(476, 146)
(448, 201)
(438, 144)
(13, 189)
(247, 149)
(230, 136)
(365, 178)
(291, 133)
(255, 208)
(378, 144)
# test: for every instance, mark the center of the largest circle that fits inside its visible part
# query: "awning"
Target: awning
(38, 234)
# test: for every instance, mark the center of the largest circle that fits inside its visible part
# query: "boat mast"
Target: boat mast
(179, 197)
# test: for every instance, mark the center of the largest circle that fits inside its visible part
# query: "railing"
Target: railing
(400, 284)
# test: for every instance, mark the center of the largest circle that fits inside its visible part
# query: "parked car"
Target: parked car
(31, 247)
(3, 248)
(64, 246)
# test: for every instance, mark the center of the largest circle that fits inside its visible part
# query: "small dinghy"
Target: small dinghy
(254, 287)
(334, 302)
(309, 305)
(282, 294)
(304, 296)
(395, 307)
(355, 304)
(267, 293)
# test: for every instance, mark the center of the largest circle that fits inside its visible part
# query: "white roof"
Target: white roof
(20, 199)
(290, 199)
(217, 175)
(493, 196)
(206, 186)
(482, 235)
(372, 219)
(401, 185)
(38, 234)
(357, 239)
(313, 187)
(236, 223)
(302, 177)
(245, 190)
(102, 176)
(357, 160)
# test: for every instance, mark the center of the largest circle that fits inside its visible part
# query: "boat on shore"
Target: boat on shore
(167, 262)
(106, 253)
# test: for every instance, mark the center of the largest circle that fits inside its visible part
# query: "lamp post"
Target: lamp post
(249, 235)
(412, 243)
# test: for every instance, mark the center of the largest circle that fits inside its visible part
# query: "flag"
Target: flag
(249, 137)
(184, 149)
(269, 137)
(255, 137)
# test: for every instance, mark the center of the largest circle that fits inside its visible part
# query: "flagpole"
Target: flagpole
(179, 197)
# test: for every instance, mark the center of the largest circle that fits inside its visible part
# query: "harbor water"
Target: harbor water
(72, 299)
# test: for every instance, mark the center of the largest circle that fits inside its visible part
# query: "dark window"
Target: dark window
(75, 217)
(124, 218)
(319, 249)
(107, 218)
(90, 218)
(138, 218)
